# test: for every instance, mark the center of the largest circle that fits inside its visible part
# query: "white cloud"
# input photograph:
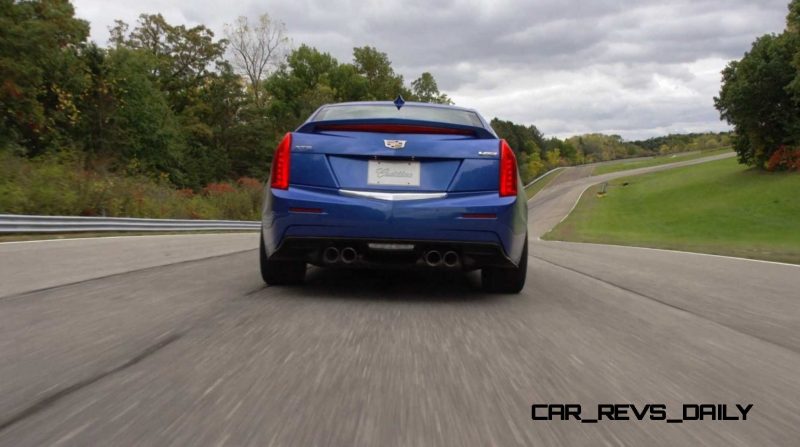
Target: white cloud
(636, 67)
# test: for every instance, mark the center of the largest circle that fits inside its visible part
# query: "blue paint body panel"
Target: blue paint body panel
(464, 167)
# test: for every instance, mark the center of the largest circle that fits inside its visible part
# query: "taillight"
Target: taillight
(280, 163)
(508, 170)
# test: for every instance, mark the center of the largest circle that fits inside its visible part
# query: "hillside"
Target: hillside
(718, 207)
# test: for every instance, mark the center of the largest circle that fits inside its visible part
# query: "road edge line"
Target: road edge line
(112, 275)
(736, 258)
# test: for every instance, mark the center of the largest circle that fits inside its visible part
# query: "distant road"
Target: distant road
(555, 202)
(174, 340)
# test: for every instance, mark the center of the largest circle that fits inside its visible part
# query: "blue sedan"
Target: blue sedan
(395, 185)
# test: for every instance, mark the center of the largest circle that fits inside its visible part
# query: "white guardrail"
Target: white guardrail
(15, 223)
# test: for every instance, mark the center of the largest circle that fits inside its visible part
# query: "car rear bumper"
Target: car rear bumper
(389, 253)
(462, 221)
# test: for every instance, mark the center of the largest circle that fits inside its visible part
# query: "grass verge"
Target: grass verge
(542, 183)
(718, 207)
(655, 161)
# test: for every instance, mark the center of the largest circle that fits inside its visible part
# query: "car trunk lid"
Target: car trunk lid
(401, 161)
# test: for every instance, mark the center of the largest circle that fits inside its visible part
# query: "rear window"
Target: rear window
(409, 112)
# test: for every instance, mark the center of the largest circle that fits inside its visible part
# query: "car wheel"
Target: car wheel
(506, 280)
(280, 272)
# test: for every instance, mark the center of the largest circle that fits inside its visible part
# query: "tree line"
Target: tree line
(171, 100)
(537, 154)
(180, 105)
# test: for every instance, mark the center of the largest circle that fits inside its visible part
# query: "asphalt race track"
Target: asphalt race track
(174, 340)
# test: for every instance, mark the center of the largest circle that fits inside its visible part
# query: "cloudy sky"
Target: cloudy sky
(637, 68)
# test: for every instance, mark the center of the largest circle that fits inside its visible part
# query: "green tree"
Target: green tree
(97, 105)
(349, 84)
(251, 142)
(757, 95)
(600, 147)
(527, 139)
(533, 167)
(185, 57)
(221, 132)
(553, 158)
(301, 86)
(311, 78)
(793, 18)
(42, 74)
(566, 149)
(143, 131)
(425, 89)
(212, 125)
(793, 29)
(382, 82)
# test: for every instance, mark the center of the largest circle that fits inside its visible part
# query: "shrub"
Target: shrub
(59, 185)
(249, 183)
(784, 159)
(217, 189)
(255, 191)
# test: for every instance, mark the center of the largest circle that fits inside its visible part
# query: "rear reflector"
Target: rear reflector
(280, 163)
(306, 210)
(480, 216)
(394, 128)
(508, 170)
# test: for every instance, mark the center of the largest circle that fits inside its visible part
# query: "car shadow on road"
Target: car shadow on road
(392, 285)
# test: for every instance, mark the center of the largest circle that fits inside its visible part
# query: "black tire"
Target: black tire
(506, 280)
(277, 273)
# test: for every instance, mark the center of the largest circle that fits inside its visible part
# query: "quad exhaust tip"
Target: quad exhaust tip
(330, 255)
(433, 258)
(349, 255)
(450, 259)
